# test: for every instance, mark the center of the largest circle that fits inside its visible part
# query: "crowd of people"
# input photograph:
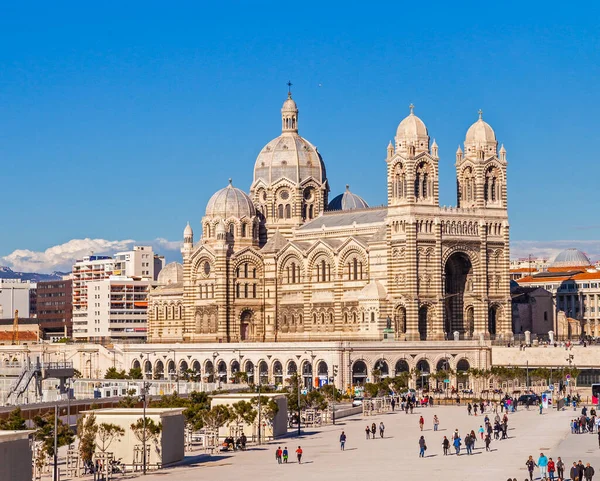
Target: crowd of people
(551, 470)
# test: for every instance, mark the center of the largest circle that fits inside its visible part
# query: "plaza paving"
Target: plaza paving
(364, 459)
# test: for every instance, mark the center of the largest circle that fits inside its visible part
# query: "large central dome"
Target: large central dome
(289, 156)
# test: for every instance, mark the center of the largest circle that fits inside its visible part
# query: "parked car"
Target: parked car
(529, 399)
(357, 401)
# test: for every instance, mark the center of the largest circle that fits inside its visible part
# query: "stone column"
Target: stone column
(410, 268)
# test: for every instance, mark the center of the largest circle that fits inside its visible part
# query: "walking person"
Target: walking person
(551, 469)
(368, 432)
(475, 407)
(436, 422)
(421, 422)
(543, 465)
(488, 440)
(560, 469)
(469, 408)
(446, 445)
(278, 454)
(457, 443)
(422, 447)
(530, 463)
(574, 473)
(393, 404)
(342, 440)
(285, 455)
(588, 472)
(381, 429)
(580, 470)
(481, 431)
(373, 429)
(299, 454)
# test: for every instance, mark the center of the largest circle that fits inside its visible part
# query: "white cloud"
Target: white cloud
(548, 249)
(61, 257)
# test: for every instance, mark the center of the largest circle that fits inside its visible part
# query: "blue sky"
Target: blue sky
(118, 120)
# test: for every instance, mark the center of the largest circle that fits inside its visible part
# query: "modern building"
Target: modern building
(532, 310)
(125, 277)
(15, 294)
(117, 310)
(55, 308)
(575, 286)
(278, 265)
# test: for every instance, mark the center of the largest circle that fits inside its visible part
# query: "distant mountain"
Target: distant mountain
(8, 273)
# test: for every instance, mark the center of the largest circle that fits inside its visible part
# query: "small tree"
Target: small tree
(242, 412)
(45, 433)
(268, 408)
(129, 401)
(86, 432)
(215, 418)
(107, 433)
(114, 373)
(14, 422)
(240, 377)
(77, 374)
(135, 373)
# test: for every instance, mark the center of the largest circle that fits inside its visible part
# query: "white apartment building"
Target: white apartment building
(118, 309)
(89, 321)
(15, 295)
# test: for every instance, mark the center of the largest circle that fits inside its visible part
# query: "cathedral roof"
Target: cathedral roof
(275, 243)
(480, 136)
(347, 201)
(230, 202)
(346, 218)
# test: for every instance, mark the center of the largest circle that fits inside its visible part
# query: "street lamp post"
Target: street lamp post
(298, 386)
(215, 373)
(144, 396)
(55, 471)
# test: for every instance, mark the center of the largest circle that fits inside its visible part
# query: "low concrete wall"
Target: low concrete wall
(583, 357)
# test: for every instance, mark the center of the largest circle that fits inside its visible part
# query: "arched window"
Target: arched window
(254, 291)
(323, 271)
(372, 317)
(280, 211)
(246, 270)
(231, 229)
(180, 312)
(237, 291)
(310, 211)
(399, 182)
(293, 273)
(288, 211)
(246, 290)
(243, 230)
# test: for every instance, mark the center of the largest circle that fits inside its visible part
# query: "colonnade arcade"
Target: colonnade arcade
(314, 370)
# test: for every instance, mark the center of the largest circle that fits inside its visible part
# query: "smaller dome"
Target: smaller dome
(480, 133)
(170, 274)
(570, 258)
(411, 128)
(373, 291)
(289, 105)
(347, 201)
(188, 232)
(230, 202)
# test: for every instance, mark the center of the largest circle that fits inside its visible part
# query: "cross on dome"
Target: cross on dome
(412, 108)
(480, 112)
(289, 84)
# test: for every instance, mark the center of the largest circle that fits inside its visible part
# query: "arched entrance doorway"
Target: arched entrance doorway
(423, 324)
(458, 281)
(462, 374)
(263, 372)
(222, 371)
(423, 377)
(292, 369)
(493, 319)
(382, 369)
(307, 374)
(249, 370)
(159, 370)
(322, 373)
(359, 373)
(277, 373)
(209, 371)
(246, 325)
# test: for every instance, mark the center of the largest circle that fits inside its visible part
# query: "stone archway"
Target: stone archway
(458, 281)
(246, 325)
(359, 373)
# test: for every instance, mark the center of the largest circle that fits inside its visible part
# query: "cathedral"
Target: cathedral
(285, 263)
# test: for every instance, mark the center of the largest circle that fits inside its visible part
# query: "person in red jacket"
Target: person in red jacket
(551, 469)
(421, 422)
(299, 454)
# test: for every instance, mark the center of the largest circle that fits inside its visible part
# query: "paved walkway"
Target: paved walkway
(398, 452)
